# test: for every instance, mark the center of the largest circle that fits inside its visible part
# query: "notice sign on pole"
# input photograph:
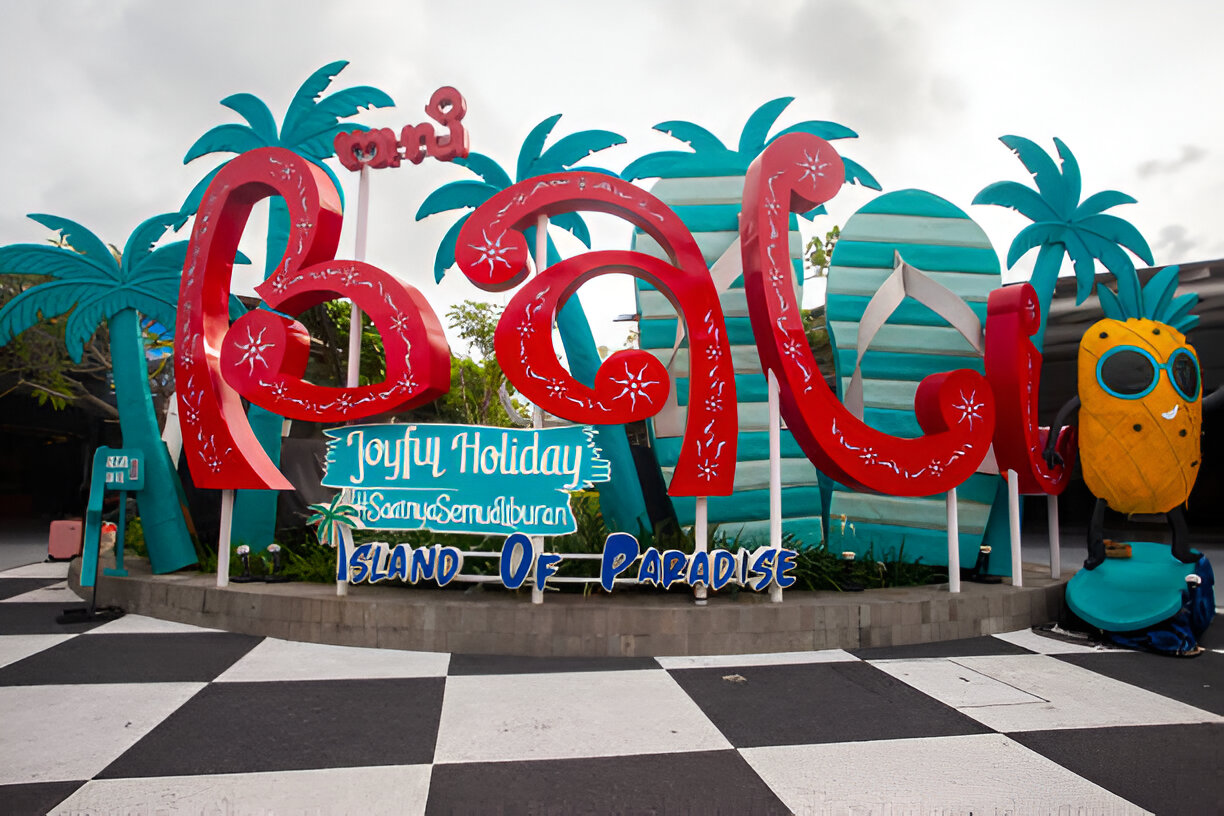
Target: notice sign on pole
(463, 478)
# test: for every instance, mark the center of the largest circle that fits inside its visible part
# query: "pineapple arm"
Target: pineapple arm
(1214, 400)
(1064, 417)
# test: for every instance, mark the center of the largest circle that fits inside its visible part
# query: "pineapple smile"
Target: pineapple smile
(1172, 413)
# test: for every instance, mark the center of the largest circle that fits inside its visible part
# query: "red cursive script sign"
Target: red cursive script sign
(955, 409)
(379, 147)
(263, 356)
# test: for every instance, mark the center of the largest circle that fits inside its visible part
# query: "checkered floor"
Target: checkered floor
(141, 716)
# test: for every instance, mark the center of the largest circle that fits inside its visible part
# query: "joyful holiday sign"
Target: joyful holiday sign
(463, 478)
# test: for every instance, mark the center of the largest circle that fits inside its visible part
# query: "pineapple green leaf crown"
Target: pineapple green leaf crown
(1155, 301)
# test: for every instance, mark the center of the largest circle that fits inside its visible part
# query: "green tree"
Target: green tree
(92, 283)
(580, 349)
(309, 129)
(1063, 226)
(819, 253)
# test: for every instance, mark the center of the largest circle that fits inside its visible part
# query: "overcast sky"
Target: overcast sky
(102, 99)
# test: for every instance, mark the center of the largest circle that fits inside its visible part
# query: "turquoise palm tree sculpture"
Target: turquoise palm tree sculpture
(309, 129)
(621, 498)
(710, 157)
(704, 184)
(90, 284)
(1063, 226)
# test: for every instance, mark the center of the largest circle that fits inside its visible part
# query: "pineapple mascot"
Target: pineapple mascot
(1140, 404)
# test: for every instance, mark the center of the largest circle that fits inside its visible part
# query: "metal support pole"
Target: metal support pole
(775, 478)
(223, 538)
(701, 535)
(954, 580)
(1055, 541)
(1013, 518)
(537, 413)
(359, 253)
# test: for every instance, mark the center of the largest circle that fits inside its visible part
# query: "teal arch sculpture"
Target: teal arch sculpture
(704, 186)
(309, 129)
(621, 498)
(92, 284)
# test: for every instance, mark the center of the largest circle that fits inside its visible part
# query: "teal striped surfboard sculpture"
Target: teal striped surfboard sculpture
(705, 188)
(941, 240)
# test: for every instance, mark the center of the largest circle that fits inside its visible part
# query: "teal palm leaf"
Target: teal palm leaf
(92, 287)
(1063, 226)
(710, 157)
(533, 160)
(311, 123)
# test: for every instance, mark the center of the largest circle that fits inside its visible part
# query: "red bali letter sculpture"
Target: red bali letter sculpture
(263, 355)
(955, 409)
(632, 384)
(1013, 366)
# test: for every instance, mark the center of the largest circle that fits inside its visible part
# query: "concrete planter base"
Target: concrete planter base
(620, 625)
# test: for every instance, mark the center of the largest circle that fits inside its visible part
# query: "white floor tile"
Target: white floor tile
(289, 660)
(1028, 639)
(954, 684)
(1068, 696)
(55, 733)
(142, 625)
(571, 714)
(391, 789)
(55, 594)
(982, 773)
(778, 659)
(19, 647)
(48, 569)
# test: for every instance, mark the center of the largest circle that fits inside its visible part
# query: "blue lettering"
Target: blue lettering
(786, 563)
(546, 567)
(699, 569)
(398, 564)
(424, 564)
(722, 565)
(674, 562)
(620, 551)
(515, 560)
(650, 572)
(359, 565)
(450, 561)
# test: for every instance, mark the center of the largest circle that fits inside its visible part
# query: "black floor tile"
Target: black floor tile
(965, 647)
(252, 727)
(1196, 681)
(509, 664)
(39, 619)
(34, 798)
(151, 658)
(12, 587)
(706, 782)
(1162, 768)
(817, 703)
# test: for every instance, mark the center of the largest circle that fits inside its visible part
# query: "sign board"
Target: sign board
(463, 478)
(122, 469)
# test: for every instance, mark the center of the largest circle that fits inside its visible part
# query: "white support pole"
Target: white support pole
(343, 549)
(954, 581)
(1055, 541)
(701, 535)
(223, 538)
(775, 478)
(1013, 518)
(537, 414)
(359, 253)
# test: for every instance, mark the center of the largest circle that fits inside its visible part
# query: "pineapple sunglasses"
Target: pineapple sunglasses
(1131, 373)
